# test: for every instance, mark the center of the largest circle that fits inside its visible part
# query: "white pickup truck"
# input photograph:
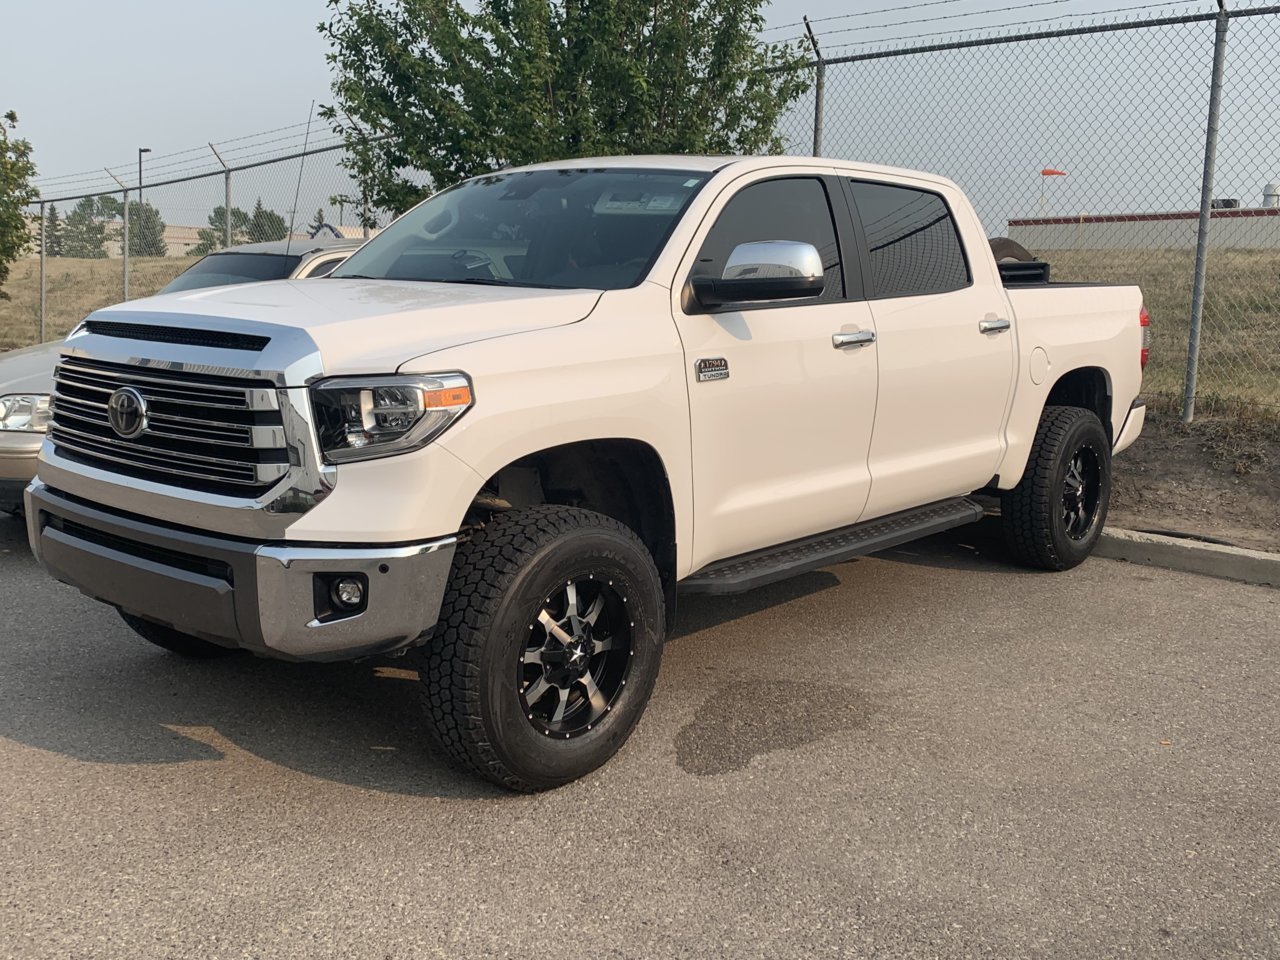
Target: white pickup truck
(513, 427)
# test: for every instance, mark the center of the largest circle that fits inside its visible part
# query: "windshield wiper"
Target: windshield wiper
(479, 281)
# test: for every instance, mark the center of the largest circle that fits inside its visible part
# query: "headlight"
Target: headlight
(363, 418)
(25, 412)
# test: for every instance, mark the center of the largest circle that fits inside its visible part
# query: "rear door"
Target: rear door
(781, 416)
(945, 347)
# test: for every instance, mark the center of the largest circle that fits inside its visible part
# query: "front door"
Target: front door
(781, 415)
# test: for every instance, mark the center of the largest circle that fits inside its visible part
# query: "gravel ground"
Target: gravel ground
(923, 754)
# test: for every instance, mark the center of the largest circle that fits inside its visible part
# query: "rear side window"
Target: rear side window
(788, 209)
(912, 241)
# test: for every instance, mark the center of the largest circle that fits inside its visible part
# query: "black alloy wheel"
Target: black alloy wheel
(577, 658)
(1081, 489)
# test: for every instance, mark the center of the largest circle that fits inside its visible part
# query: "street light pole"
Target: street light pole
(141, 151)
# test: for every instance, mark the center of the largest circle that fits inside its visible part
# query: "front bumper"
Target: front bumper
(260, 596)
(19, 453)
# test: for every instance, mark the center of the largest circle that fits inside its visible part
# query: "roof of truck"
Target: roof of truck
(690, 162)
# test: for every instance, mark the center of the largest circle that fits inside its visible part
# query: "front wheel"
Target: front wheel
(547, 647)
(1052, 519)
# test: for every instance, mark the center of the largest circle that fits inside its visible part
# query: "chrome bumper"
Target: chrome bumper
(265, 597)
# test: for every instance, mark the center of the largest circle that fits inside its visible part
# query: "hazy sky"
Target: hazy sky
(93, 81)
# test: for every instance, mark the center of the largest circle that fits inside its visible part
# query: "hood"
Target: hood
(369, 326)
(29, 370)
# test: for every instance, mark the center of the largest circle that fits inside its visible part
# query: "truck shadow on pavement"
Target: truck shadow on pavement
(79, 683)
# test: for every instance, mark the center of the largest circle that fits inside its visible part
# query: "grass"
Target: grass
(74, 289)
(1240, 333)
(1239, 346)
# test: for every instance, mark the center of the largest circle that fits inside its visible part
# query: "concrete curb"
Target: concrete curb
(1190, 556)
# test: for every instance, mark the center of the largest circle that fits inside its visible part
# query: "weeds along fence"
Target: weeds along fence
(120, 236)
(1168, 132)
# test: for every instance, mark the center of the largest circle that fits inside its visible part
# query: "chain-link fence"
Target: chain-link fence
(99, 246)
(1123, 110)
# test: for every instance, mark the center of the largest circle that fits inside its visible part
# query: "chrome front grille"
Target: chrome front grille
(216, 434)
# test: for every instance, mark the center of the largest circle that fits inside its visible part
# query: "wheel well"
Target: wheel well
(623, 479)
(1085, 387)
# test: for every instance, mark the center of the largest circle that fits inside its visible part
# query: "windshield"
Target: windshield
(598, 229)
(220, 269)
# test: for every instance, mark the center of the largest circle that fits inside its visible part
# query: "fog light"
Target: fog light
(348, 593)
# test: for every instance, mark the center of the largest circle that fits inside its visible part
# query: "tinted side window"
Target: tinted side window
(789, 209)
(912, 240)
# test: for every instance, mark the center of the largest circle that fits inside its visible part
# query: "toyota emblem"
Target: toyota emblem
(127, 413)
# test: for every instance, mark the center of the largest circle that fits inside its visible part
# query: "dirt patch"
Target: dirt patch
(1219, 477)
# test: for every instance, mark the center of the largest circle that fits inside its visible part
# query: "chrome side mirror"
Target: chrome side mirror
(762, 271)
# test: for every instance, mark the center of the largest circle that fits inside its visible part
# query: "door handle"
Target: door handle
(993, 326)
(859, 338)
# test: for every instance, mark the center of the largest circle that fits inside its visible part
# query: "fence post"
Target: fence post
(1206, 207)
(125, 244)
(226, 203)
(43, 254)
(124, 233)
(819, 89)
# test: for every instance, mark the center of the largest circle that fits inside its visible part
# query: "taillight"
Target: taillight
(1144, 321)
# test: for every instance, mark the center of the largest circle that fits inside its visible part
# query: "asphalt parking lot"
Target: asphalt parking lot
(922, 754)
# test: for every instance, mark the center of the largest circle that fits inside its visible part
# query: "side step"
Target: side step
(750, 570)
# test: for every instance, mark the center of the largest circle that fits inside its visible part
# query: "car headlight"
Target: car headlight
(360, 418)
(25, 412)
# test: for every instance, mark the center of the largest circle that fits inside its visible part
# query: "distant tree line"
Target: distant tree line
(94, 221)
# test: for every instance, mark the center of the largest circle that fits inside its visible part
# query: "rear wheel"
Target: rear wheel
(174, 641)
(1052, 519)
(547, 647)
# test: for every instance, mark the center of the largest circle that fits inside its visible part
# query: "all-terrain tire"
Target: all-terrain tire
(1035, 514)
(471, 681)
(174, 641)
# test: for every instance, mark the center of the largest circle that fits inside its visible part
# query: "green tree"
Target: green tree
(52, 232)
(16, 192)
(213, 237)
(84, 232)
(266, 224)
(146, 231)
(316, 225)
(429, 85)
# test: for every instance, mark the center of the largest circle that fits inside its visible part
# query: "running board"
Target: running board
(750, 570)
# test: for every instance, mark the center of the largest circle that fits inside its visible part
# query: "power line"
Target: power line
(95, 175)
